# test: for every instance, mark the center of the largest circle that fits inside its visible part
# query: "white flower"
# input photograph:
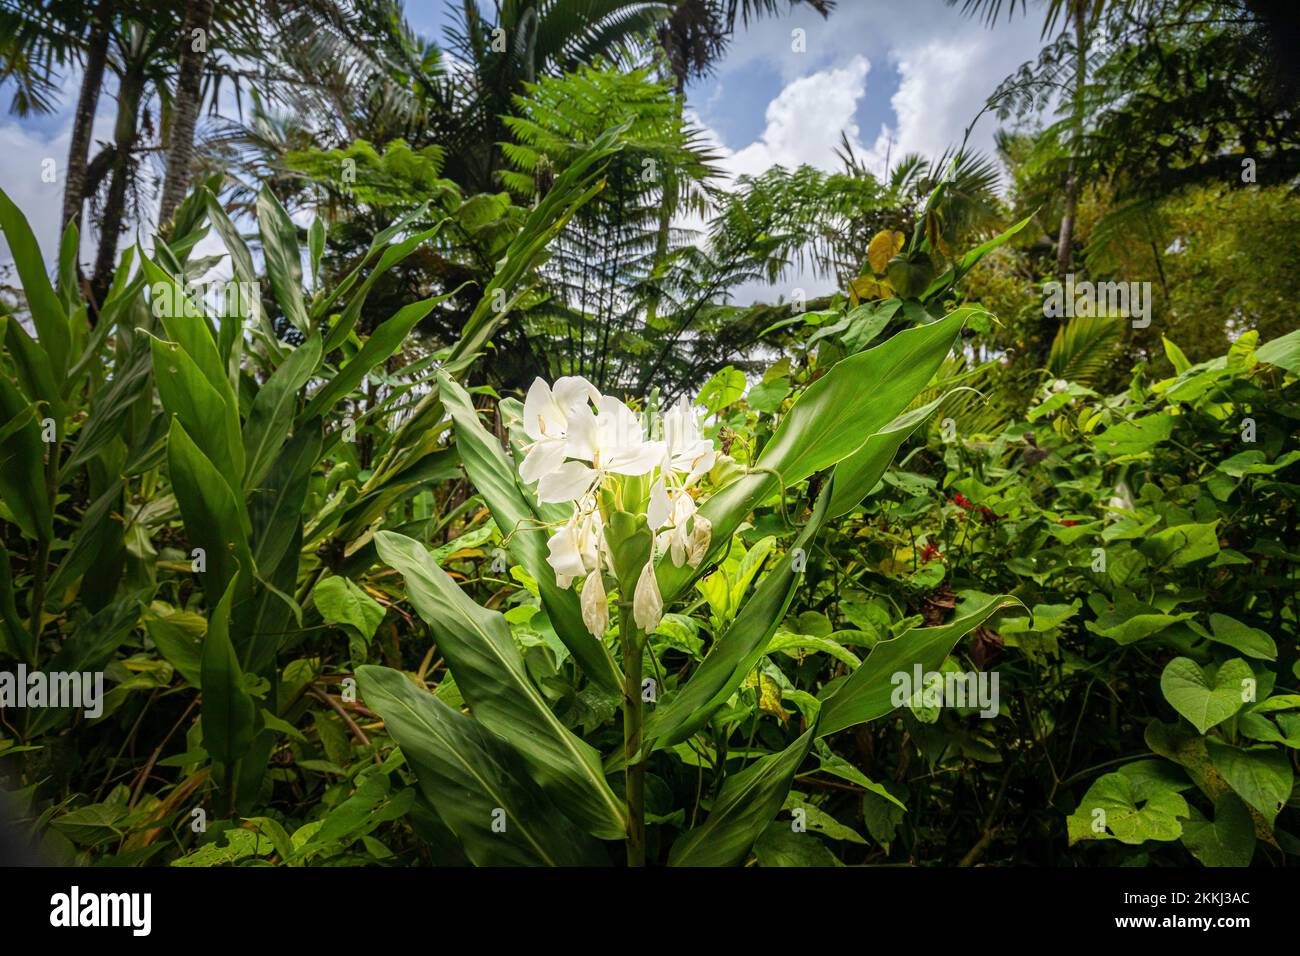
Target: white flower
(687, 450)
(575, 549)
(546, 422)
(595, 605)
(647, 602)
(701, 536)
(612, 442)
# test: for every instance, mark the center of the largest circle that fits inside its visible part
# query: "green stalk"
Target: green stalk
(634, 772)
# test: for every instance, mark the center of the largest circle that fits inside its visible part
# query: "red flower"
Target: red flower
(1067, 523)
(990, 516)
(961, 501)
(930, 552)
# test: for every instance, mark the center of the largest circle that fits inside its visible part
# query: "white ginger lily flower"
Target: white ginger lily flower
(575, 549)
(546, 421)
(595, 605)
(687, 450)
(647, 602)
(612, 442)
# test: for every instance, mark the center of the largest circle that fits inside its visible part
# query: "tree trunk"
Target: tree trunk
(185, 114)
(124, 136)
(83, 122)
(1072, 184)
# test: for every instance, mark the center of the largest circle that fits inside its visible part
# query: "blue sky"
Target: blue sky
(894, 75)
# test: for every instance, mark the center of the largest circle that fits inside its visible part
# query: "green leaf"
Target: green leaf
(725, 388)
(1135, 437)
(228, 710)
(744, 807)
(1182, 544)
(383, 342)
(283, 259)
(22, 462)
(1131, 811)
(868, 692)
(1260, 775)
(1227, 840)
(1251, 641)
(832, 419)
(473, 779)
(209, 418)
(1203, 699)
(215, 519)
(490, 672)
(340, 601)
(272, 411)
(738, 650)
(48, 315)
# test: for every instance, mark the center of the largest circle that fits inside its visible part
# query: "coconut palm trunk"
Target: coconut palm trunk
(129, 95)
(188, 99)
(74, 187)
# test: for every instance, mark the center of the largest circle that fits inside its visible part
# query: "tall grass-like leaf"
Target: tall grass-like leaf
(382, 343)
(868, 691)
(211, 420)
(271, 415)
(474, 779)
(215, 519)
(228, 713)
(283, 258)
(490, 672)
(856, 475)
(737, 651)
(22, 462)
(49, 317)
(513, 509)
(746, 804)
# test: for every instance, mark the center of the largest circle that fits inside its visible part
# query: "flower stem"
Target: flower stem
(634, 773)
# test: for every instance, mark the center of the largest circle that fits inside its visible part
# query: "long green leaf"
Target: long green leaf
(868, 691)
(490, 673)
(747, 803)
(228, 711)
(474, 780)
(53, 327)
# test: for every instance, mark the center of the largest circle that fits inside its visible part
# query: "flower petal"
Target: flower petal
(569, 482)
(544, 457)
(647, 602)
(595, 605)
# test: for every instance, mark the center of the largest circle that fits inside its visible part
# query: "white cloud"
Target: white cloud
(805, 120)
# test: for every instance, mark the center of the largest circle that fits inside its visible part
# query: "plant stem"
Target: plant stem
(634, 772)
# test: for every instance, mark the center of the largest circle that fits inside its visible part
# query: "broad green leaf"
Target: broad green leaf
(1135, 437)
(215, 519)
(490, 672)
(48, 315)
(1182, 544)
(1260, 775)
(341, 601)
(1250, 641)
(474, 779)
(1205, 700)
(22, 462)
(1131, 811)
(1227, 840)
(209, 418)
(738, 650)
(382, 343)
(272, 410)
(830, 421)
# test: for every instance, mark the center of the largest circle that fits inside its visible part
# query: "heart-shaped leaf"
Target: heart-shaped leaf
(1206, 700)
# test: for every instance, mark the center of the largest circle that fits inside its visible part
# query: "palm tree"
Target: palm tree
(186, 99)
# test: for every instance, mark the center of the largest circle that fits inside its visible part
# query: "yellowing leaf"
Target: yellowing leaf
(884, 246)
